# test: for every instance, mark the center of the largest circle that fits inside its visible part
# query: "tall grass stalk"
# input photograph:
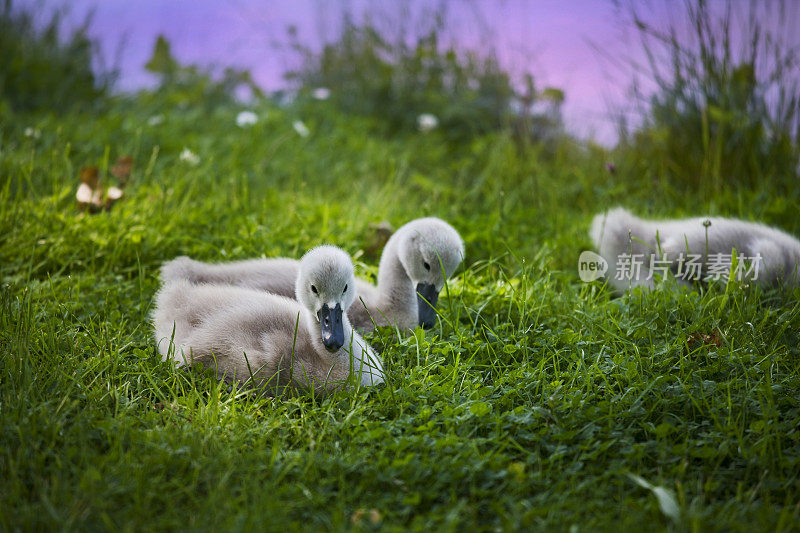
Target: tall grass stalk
(726, 107)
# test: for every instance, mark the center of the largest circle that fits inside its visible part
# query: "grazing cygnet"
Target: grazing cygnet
(696, 248)
(415, 263)
(250, 335)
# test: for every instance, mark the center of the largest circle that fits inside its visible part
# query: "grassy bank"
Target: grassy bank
(530, 405)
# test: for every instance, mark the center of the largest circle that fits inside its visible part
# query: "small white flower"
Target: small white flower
(33, 132)
(246, 118)
(321, 93)
(84, 194)
(427, 122)
(155, 120)
(301, 128)
(190, 157)
(114, 193)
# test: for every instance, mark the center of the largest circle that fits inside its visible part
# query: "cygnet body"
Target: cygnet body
(266, 339)
(618, 235)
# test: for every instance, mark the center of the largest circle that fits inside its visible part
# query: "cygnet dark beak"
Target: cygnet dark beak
(427, 296)
(331, 327)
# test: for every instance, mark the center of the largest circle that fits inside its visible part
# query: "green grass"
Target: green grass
(530, 406)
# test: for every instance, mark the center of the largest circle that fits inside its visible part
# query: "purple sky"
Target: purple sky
(555, 40)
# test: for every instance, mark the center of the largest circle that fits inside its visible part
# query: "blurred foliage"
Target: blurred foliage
(191, 84)
(726, 109)
(397, 80)
(40, 69)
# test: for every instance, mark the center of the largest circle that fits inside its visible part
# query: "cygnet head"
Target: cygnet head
(430, 252)
(326, 286)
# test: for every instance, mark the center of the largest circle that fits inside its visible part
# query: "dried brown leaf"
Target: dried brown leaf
(90, 176)
(357, 517)
(373, 515)
(378, 237)
(122, 170)
(704, 339)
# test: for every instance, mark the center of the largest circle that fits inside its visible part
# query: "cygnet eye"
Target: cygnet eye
(314, 289)
(426, 265)
(345, 288)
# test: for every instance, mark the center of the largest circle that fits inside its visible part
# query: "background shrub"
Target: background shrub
(191, 84)
(725, 111)
(398, 79)
(43, 66)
